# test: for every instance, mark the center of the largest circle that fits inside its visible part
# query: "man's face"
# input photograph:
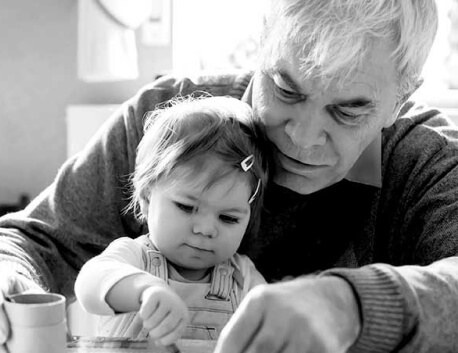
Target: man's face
(319, 132)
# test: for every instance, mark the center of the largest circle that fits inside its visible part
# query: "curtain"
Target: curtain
(107, 48)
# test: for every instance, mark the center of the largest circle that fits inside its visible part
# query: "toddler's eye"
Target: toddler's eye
(229, 219)
(184, 208)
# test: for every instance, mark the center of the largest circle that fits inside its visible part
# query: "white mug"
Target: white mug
(38, 323)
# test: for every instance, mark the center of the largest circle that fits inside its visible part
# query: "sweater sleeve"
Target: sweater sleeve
(122, 258)
(408, 297)
(406, 308)
(82, 211)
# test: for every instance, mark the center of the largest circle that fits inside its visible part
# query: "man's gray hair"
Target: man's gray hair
(332, 37)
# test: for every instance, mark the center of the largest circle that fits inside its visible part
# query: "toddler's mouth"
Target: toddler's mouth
(198, 248)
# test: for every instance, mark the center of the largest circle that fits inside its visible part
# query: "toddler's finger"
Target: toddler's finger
(156, 318)
(168, 334)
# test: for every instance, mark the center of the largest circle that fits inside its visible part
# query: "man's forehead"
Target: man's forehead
(375, 72)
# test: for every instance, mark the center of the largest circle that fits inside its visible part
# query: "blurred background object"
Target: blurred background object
(107, 48)
(23, 201)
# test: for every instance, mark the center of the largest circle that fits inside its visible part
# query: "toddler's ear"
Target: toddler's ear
(144, 208)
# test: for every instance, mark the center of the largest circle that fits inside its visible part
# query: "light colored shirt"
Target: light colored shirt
(211, 301)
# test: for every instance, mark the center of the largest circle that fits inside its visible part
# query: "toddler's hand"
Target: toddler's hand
(164, 314)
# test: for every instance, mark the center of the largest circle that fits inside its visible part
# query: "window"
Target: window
(441, 69)
(440, 88)
(213, 35)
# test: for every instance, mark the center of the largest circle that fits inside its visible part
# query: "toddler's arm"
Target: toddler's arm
(103, 282)
(116, 282)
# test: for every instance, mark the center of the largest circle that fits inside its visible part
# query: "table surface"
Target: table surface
(123, 345)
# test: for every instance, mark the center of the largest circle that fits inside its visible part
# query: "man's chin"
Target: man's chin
(300, 184)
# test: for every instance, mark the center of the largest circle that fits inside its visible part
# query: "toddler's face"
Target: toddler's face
(195, 228)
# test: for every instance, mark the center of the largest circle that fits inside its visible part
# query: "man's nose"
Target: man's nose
(204, 225)
(307, 128)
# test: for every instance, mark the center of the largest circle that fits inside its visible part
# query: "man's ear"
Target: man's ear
(400, 102)
(394, 114)
(408, 94)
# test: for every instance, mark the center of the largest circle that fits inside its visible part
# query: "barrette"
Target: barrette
(247, 163)
(255, 192)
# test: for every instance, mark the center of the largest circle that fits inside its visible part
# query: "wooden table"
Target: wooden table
(123, 345)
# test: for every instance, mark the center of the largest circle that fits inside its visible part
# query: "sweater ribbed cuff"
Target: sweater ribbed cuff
(11, 266)
(381, 307)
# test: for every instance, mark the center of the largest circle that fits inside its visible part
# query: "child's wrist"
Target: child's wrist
(155, 286)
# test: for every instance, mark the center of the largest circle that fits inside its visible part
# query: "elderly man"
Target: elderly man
(362, 214)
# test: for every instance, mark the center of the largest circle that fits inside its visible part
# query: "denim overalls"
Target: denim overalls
(211, 305)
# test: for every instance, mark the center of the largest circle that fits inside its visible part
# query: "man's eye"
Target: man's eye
(347, 117)
(288, 95)
(229, 219)
(184, 208)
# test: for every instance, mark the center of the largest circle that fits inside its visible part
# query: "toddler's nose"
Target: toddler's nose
(204, 226)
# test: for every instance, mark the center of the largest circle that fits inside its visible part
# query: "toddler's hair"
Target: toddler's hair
(208, 135)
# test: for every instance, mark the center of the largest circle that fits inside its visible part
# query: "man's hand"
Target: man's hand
(308, 314)
(12, 283)
(164, 314)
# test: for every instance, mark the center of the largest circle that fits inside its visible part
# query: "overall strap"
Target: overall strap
(155, 262)
(222, 281)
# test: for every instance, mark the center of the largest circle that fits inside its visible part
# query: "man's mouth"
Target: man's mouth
(288, 163)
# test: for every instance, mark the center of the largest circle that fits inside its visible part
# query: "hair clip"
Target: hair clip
(255, 192)
(247, 163)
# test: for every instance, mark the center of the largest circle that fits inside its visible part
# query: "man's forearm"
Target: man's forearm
(406, 301)
(16, 259)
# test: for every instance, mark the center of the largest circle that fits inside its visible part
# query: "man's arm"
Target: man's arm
(406, 308)
(79, 214)
(408, 298)
(82, 211)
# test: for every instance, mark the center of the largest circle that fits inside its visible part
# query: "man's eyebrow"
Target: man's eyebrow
(289, 81)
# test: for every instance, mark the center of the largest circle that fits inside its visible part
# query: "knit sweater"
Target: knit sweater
(395, 244)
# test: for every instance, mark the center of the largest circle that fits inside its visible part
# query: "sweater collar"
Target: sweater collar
(367, 168)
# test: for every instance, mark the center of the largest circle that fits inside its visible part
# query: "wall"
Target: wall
(38, 80)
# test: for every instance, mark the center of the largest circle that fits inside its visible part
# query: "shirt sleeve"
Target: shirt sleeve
(122, 258)
(251, 276)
